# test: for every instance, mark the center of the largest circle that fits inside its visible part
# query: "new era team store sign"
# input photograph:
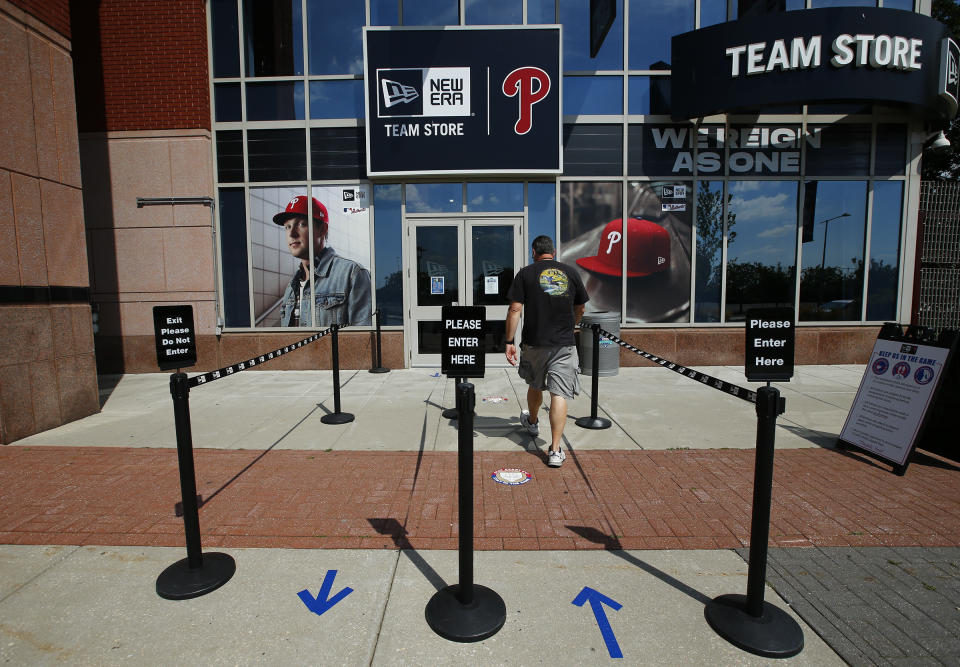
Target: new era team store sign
(463, 100)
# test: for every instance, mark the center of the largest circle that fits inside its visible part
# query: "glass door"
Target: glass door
(460, 262)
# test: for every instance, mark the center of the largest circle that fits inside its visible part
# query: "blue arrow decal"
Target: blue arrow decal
(321, 603)
(597, 600)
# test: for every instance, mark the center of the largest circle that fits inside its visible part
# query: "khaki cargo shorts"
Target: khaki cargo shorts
(553, 369)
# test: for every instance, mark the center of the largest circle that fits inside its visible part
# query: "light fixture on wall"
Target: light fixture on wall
(936, 142)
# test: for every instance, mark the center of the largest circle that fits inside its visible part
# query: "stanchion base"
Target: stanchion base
(379, 369)
(181, 582)
(593, 422)
(450, 413)
(473, 622)
(337, 418)
(773, 635)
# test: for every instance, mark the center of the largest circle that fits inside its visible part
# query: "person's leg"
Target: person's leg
(558, 419)
(534, 401)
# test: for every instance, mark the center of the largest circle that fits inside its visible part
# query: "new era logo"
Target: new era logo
(395, 93)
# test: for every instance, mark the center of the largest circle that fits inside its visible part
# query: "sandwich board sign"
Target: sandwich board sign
(899, 387)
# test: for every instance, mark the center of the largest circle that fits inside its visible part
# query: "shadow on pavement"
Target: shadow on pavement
(395, 531)
(612, 544)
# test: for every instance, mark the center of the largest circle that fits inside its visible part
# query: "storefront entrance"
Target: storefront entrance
(460, 262)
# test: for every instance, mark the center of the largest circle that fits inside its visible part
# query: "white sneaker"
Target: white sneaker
(556, 458)
(532, 428)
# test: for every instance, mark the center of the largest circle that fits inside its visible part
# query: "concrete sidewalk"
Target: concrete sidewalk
(625, 514)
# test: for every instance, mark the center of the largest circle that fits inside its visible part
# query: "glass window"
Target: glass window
(764, 150)
(225, 38)
(493, 12)
(277, 100)
(277, 155)
(654, 149)
(438, 258)
(575, 17)
(838, 150)
(649, 95)
(233, 258)
(274, 38)
(652, 25)
(431, 12)
(898, 4)
(226, 98)
(336, 99)
(387, 233)
(273, 262)
(494, 197)
(335, 34)
(492, 263)
(831, 279)
(818, 4)
(541, 213)
(337, 153)
(712, 12)
(230, 156)
(541, 11)
(891, 149)
(884, 251)
(592, 150)
(592, 95)
(761, 246)
(657, 246)
(434, 198)
(709, 274)
(590, 220)
(384, 12)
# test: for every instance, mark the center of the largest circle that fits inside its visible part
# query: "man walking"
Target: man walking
(553, 295)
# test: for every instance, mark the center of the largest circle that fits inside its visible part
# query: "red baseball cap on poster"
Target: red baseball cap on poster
(648, 249)
(298, 206)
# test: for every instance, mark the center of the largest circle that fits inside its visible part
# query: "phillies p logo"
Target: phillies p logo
(530, 85)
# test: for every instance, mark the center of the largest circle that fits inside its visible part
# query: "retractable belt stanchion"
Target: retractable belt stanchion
(336, 417)
(747, 621)
(197, 574)
(466, 612)
(379, 367)
(594, 422)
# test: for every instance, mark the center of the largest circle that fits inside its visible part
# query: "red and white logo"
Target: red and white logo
(530, 85)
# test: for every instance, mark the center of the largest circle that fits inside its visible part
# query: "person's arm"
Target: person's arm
(358, 299)
(513, 320)
(577, 314)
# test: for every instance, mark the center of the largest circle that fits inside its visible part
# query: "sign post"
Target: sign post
(176, 336)
(747, 621)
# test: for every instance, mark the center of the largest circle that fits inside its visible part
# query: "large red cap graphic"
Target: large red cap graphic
(298, 206)
(648, 249)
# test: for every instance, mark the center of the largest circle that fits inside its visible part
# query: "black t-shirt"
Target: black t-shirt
(548, 290)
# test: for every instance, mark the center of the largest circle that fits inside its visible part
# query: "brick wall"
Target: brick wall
(54, 13)
(141, 65)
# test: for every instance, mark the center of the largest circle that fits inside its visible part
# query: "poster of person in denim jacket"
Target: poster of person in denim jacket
(341, 286)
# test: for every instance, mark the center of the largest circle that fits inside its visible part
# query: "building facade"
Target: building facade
(196, 132)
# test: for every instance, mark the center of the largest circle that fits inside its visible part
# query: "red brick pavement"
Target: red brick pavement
(682, 499)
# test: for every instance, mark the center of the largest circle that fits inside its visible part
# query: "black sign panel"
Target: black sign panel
(818, 55)
(461, 352)
(176, 336)
(463, 100)
(769, 344)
